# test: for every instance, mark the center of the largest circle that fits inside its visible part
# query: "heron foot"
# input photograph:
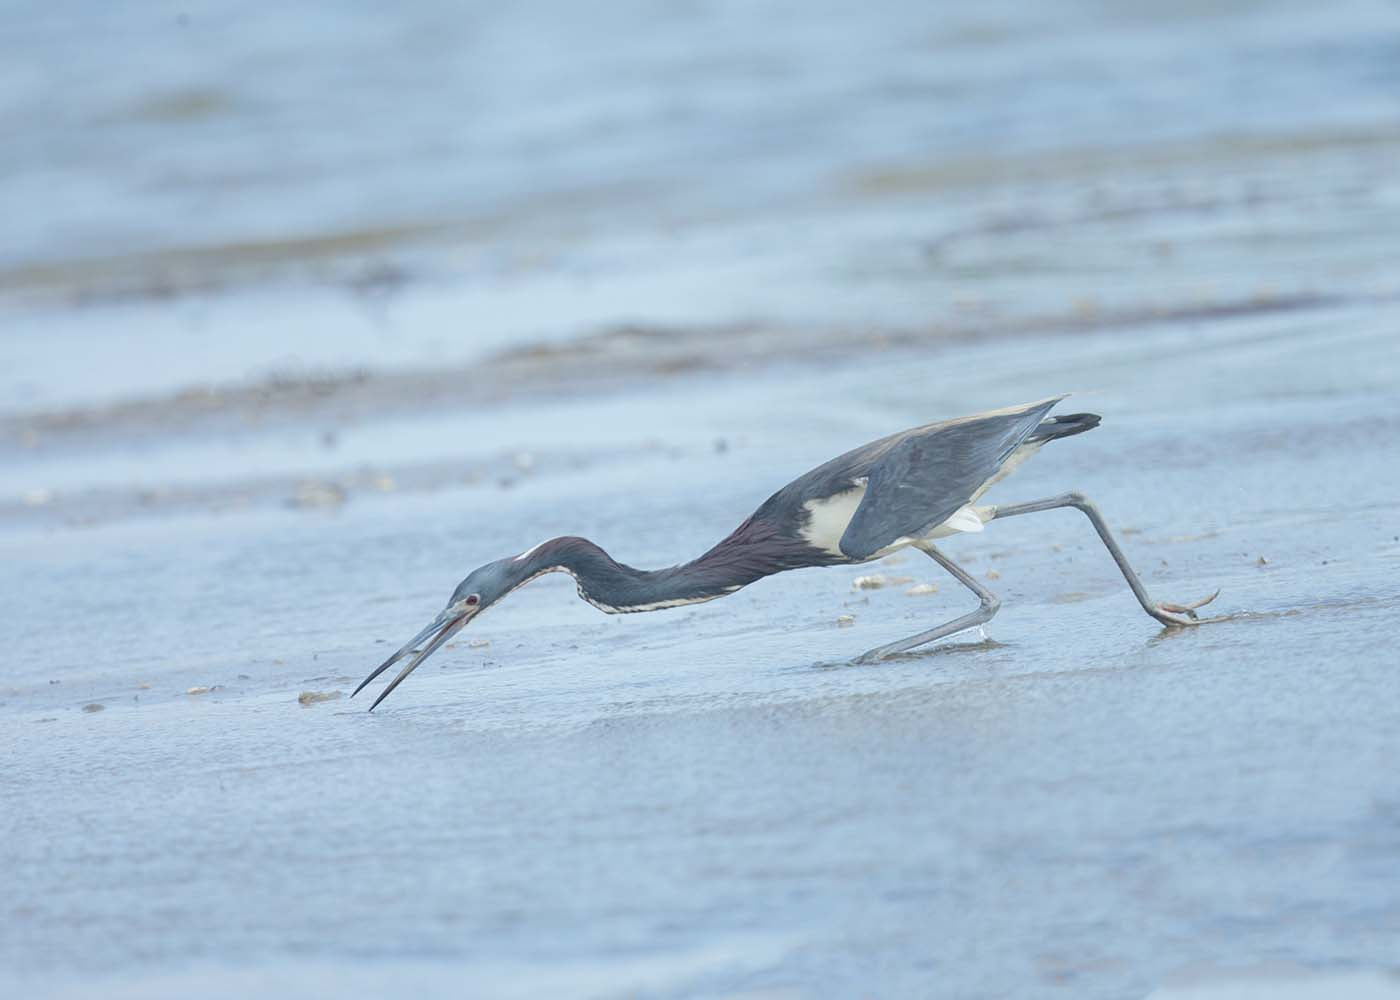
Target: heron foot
(1185, 614)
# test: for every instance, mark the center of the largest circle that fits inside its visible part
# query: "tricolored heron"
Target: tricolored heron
(905, 490)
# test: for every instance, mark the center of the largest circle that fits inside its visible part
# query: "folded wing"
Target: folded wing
(926, 476)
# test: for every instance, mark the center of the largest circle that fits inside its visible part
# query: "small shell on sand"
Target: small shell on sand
(877, 580)
(478, 643)
(318, 494)
(94, 707)
(920, 589)
(845, 621)
(197, 690)
(312, 697)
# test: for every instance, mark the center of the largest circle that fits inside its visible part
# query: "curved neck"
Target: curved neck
(751, 552)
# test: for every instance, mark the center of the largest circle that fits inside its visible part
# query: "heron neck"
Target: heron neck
(738, 560)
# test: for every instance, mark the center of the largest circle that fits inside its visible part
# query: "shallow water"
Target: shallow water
(273, 384)
(714, 800)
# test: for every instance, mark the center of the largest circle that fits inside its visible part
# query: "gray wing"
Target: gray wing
(922, 479)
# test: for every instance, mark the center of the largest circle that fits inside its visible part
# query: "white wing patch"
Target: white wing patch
(827, 518)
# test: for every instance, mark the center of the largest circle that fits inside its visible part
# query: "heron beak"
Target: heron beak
(446, 625)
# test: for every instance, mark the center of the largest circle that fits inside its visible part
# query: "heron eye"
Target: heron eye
(474, 599)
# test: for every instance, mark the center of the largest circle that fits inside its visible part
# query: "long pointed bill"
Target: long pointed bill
(406, 648)
(446, 625)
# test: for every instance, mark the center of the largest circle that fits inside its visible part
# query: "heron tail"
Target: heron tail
(1063, 426)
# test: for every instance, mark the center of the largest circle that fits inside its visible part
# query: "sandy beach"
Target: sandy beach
(244, 454)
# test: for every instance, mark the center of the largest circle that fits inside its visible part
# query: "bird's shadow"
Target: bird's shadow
(943, 649)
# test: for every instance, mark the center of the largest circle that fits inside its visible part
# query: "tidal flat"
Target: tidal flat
(249, 447)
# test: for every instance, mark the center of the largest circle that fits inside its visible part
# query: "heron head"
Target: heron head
(486, 585)
(483, 587)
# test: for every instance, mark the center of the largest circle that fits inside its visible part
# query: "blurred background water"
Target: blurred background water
(231, 190)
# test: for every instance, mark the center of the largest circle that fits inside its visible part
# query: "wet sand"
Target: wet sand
(714, 800)
(244, 454)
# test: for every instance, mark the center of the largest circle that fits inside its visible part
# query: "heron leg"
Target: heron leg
(1172, 615)
(972, 619)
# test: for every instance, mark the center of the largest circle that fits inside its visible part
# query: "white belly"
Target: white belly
(829, 518)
